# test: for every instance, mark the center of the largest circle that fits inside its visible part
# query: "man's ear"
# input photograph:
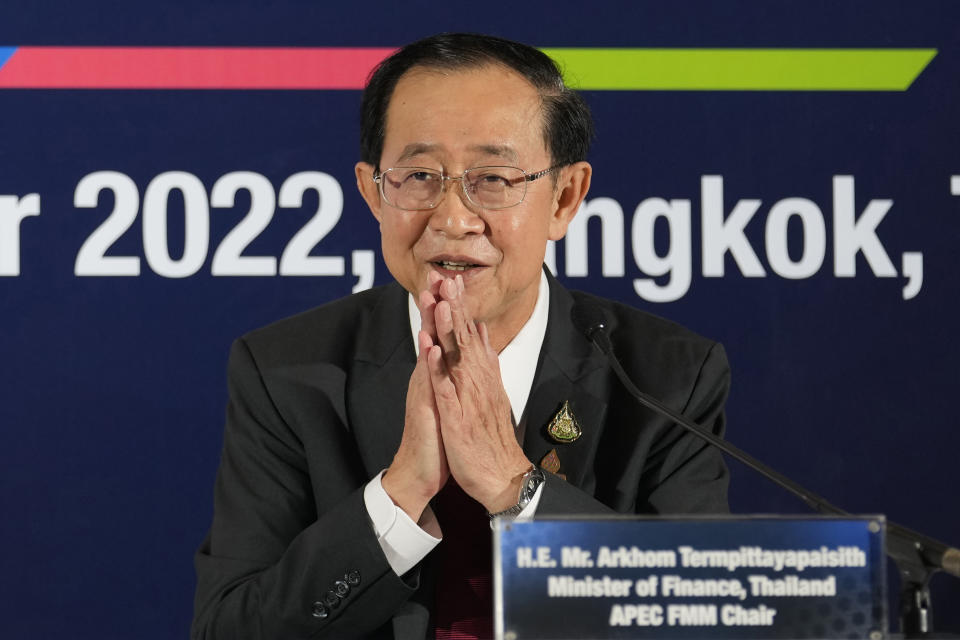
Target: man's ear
(572, 187)
(368, 188)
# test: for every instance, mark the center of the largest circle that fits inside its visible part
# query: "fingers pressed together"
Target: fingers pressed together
(473, 408)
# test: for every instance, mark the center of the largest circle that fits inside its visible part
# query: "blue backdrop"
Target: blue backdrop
(112, 387)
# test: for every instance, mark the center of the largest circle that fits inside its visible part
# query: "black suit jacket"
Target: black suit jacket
(317, 408)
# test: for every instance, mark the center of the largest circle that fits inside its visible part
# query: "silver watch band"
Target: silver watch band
(529, 484)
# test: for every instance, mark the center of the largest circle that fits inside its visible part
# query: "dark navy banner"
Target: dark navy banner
(781, 177)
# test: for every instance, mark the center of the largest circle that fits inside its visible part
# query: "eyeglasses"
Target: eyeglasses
(418, 188)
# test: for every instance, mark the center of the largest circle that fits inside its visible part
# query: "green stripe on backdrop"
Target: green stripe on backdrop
(742, 69)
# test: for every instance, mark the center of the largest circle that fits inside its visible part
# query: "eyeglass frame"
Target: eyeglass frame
(527, 177)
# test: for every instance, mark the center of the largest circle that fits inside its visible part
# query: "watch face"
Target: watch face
(530, 486)
(526, 496)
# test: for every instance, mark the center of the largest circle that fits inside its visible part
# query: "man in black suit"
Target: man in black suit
(361, 433)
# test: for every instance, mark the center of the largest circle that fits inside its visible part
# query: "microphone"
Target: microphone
(908, 548)
(591, 321)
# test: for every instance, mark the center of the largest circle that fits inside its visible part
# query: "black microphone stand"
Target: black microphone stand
(917, 556)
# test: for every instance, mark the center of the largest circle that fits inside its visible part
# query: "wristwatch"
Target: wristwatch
(528, 488)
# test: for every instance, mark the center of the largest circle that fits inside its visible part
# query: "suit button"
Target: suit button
(353, 578)
(331, 599)
(319, 611)
(341, 588)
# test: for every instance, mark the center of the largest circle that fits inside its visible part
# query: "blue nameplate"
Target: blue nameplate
(723, 577)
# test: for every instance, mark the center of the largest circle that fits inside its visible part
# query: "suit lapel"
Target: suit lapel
(568, 362)
(377, 393)
(382, 367)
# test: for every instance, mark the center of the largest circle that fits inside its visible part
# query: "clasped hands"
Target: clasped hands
(458, 420)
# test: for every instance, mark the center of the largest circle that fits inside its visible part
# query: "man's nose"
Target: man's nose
(456, 216)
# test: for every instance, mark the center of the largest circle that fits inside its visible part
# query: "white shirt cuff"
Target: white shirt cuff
(403, 542)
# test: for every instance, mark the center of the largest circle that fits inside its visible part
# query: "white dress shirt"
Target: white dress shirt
(403, 541)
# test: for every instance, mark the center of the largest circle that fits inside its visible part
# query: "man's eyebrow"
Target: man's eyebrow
(504, 151)
(415, 149)
(501, 150)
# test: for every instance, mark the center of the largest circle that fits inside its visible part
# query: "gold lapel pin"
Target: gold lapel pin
(564, 427)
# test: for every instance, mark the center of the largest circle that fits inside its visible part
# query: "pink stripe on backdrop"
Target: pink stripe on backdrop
(189, 67)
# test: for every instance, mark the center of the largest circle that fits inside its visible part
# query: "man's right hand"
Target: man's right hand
(419, 469)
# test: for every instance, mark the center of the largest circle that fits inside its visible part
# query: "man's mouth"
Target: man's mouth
(451, 265)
